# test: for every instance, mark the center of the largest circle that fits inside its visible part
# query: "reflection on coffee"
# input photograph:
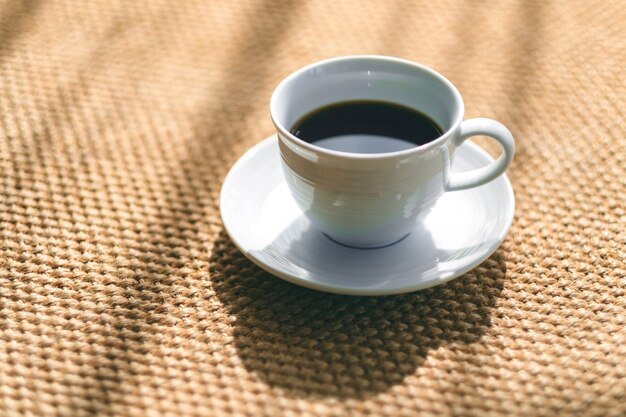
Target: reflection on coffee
(364, 126)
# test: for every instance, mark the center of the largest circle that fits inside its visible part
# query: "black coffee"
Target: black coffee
(366, 126)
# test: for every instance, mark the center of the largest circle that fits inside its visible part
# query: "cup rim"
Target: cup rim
(458, 118)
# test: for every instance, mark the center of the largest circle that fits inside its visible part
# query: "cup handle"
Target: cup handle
(480, 176)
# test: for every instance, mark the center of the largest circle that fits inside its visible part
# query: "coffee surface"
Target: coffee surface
(366, 126)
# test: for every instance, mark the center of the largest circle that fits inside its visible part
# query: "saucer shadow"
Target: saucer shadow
(315, 344)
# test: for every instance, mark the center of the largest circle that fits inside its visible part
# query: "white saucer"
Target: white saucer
(262, 219)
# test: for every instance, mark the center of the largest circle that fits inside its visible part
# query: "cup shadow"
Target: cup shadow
(314, 344)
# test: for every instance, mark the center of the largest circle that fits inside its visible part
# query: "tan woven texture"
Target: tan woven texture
(121, 294)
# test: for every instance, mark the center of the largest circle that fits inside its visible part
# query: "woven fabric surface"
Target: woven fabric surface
(121, 294)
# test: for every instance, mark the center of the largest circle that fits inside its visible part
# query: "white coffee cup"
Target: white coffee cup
(369, 200)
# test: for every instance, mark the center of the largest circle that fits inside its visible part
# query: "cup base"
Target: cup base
(376, 246)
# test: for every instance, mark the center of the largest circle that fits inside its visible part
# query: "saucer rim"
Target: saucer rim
(355, 291)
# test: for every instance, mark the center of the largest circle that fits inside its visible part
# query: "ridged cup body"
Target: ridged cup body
(366, 200)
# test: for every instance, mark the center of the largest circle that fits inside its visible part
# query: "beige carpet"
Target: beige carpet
(120, 293)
